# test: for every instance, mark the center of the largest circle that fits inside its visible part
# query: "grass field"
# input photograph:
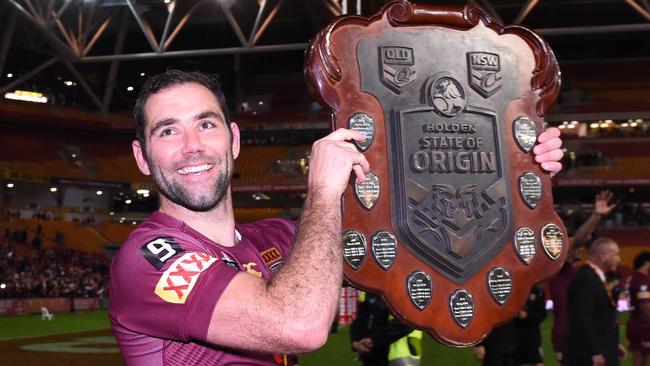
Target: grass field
(336, 351)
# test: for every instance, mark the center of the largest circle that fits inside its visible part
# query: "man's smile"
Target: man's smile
(196, 169)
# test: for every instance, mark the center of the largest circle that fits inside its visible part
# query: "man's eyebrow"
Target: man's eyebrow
(161, 124)
(209, 114)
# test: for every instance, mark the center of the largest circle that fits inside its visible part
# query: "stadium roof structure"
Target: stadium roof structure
(101, 47)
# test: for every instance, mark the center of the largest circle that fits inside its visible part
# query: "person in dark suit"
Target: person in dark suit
(592, 323)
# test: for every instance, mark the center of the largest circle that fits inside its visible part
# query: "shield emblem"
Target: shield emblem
(396, 65)
(484, 71)
(457, 239)
(444, 214)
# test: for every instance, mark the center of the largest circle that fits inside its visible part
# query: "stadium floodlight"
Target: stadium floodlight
(10, 75)
(128, 202)
(3, 286)
(26, 96)
(10, 185)
(99, 193)
(53, 189)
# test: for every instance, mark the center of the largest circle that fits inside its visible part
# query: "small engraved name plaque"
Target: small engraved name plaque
(525, 133)
(363, 123)
(419, 289)
(461, 305)
(368, 192)
(525, 244)
(552, 240)
(530, 188)
(354, 248)
(384, 248)
(500, 284)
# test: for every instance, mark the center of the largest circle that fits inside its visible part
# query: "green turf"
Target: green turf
(335, 352)
(32, 325)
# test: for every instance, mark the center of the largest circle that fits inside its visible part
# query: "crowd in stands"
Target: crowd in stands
(52, 272)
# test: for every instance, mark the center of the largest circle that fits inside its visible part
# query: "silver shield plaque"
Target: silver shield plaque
(419, 287)
(368, 192)
(525, 244)
(500, 284)
(363, 123)
(384, 249)
(552, 240)
(354, 248)
(530, 188)
(525, 133)
(461, 306)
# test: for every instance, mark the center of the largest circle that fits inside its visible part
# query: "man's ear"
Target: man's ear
(235, 139)
(139, 158)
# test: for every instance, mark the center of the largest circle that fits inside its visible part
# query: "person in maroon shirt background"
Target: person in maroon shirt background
(638, 326)
(189, 286)
(559, 284)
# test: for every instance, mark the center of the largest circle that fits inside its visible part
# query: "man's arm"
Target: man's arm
(292, 312)
(602, 207)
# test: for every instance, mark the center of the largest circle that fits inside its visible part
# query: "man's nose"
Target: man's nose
(193, 143)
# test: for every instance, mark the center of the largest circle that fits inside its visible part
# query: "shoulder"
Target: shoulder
(270, 232)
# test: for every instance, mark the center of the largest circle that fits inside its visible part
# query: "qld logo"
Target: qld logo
(396, 65)
(484, 71)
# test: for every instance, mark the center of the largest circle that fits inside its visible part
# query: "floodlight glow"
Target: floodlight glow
(26, 96)
(99, 193)
(10, 75)
(10, 185)
(129, 88)
(128, 202)
(53, 189)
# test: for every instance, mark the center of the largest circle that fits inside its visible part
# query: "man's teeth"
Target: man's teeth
(194, 169)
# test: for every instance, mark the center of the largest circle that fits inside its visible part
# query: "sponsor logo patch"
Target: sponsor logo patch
(249, 269)
(159, 250)
(271, 255)
(179, 279)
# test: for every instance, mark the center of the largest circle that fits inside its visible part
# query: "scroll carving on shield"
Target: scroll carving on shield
(456, 221)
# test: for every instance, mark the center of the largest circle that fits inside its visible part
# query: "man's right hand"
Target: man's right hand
(601, 203)
(332, 159)
(363, 346)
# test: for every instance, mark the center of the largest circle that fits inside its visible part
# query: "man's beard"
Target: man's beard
(205, 201)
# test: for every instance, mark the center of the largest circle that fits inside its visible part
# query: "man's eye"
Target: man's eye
(167, 132)
(207, 124)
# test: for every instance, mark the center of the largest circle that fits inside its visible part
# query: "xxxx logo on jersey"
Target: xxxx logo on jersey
(178, 280)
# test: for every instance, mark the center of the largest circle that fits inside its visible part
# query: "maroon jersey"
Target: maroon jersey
(558, 286)
(638, 327)
(166, 280)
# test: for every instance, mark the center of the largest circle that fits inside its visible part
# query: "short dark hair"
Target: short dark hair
(168, 79)
(641, 259)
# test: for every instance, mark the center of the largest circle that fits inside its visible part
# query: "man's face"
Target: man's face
(189, 149)
(611, 257)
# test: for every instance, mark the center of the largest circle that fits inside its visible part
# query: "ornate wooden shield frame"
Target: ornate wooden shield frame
(456, 221)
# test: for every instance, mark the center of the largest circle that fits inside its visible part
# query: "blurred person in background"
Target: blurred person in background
(592, 319)
(559, 284)
(379, 339)
(528, 331)
(638, 326)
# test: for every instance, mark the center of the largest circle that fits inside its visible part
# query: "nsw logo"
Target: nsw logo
(484, 71)
(396, 65)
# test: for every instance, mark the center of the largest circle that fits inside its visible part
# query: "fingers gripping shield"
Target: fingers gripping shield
(456, 215)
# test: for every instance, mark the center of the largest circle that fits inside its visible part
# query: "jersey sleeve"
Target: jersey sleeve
(642, 291)
(167, 286)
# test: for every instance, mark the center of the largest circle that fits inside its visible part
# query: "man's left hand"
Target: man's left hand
(548, 152)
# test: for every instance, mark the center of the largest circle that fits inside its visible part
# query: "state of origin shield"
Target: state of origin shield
(455, 221)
